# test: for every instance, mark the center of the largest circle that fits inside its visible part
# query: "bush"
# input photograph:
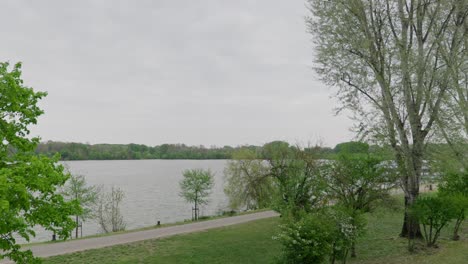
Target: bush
(459, 204)
(308, 240)
(433, 212)
(319, 237)
(454, 186)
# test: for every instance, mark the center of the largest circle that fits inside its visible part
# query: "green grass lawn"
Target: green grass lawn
(245, 243)
(252, 243)
(381, 243)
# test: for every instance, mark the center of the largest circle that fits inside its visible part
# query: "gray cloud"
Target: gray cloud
(195, 72)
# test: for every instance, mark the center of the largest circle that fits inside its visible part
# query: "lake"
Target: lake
(151, 190)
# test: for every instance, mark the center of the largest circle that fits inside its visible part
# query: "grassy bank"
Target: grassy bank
(245, 243)
(252, 243)
(381, 243)
(187, 221)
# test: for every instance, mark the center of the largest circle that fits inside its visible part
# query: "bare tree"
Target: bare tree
(108, 211)
(392, 62)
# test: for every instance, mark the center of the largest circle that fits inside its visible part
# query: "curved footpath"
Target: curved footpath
(53, 249)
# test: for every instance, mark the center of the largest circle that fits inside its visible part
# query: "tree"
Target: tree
(295, 174)
(196, 186)
(28, 183)
(248, 182)
(77, 189)
(352, 147)
(108, 211)
(392, 62)
(355, 182)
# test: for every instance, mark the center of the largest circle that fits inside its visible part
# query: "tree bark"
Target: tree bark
(411, 228)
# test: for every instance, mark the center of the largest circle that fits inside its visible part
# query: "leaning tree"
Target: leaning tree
(393, 63)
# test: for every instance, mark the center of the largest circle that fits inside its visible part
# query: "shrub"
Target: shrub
(319, 237)
(454, 186)
(309, 240)
(459, 204)
(433, 212)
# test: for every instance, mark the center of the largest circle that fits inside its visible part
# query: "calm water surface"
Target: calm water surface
(151, 189)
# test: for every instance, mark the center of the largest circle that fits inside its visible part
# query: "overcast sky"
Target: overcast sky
(211, 72)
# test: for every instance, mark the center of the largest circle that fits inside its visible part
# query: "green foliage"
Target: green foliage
(454, 183)
(196, 186)
(276, 150)
(76, 189)
(454, 186)
(433, 213)
(323, 236)
(79, 151)
(444, 158)
(460, 207)
(357, 181)
(352, 148)
(28, 183)
(308, 240)
(295, 175)
(247, 181)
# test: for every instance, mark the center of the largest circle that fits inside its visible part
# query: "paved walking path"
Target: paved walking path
(53, 249)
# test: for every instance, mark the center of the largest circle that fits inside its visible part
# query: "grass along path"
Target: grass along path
(53, 249)
(252, 243)
(244, 243)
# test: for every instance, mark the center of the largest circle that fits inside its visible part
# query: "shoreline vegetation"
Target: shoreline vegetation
(83, 151)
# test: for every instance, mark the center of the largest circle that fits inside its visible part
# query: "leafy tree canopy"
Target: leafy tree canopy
(28, 183)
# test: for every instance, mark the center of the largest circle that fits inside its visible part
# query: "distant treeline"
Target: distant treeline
(80, 151)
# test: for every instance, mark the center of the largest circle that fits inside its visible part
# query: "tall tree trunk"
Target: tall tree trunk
(410, 228)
